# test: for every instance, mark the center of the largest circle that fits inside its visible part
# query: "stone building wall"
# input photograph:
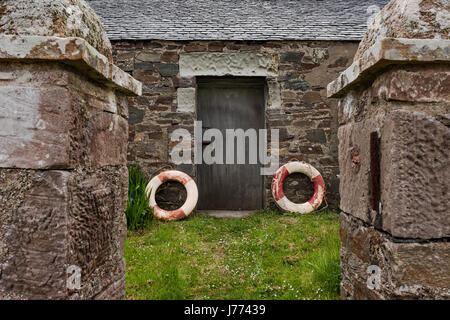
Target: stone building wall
(297, 105)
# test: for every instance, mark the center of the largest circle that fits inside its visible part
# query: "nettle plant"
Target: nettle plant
(138, 212)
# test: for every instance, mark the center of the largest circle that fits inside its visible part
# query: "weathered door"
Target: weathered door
(230, 103)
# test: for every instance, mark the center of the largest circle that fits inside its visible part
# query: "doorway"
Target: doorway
(231, 103)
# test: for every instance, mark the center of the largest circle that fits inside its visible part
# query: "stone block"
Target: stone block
(33, 238)
(167, 69)
(414, 84)
(136, 115)
(164, 100)
(148, 57)
(216, 46)
(414, 189)
(53, 219)
(316, 135)
(296, 85)
(195, 47)
(274, 93)
(415, 176)
(97, 229)
(141, 66)
(35, 133)
(108, 136)
(340, 62)
(42, 134)
(408, 270)
(55, 18)
(312, 97)
(354, 106)
(292, 57)
(170, 57)
(235, 64)
(354, 165)
(184, 82)
(186, 100)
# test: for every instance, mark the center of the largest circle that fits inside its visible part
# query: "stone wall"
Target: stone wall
(297, 74)
(63, 167)
(393, 154)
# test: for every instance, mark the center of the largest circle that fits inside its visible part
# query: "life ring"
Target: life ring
(277, 187)
(191, 198)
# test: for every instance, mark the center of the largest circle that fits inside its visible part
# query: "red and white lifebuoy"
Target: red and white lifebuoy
(277, 187)
(191, 198)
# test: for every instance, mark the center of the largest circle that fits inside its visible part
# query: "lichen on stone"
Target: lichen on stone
(61, 18)
(411, 19)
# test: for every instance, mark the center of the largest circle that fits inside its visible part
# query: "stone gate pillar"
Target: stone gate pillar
(394, 138)
(63, 144)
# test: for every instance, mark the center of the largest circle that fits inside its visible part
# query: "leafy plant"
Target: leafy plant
(139, 213)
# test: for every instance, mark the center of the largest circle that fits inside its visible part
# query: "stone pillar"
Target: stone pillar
(394, 159)
(63, 145)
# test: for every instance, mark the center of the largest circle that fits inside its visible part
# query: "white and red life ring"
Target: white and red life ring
(277, 187)
(191, 198)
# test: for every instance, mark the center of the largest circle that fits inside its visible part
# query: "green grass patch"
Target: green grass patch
(267, 256)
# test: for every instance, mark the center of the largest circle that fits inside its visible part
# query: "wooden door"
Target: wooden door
(230, 103)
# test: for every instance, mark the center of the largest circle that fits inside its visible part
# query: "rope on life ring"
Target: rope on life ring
(277, 187)
(191, 198)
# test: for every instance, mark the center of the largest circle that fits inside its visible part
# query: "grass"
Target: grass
(267, 256)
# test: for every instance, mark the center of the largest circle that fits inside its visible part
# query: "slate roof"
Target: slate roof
(235, 19)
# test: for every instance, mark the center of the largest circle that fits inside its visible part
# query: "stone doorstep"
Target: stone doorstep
(228, 213)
